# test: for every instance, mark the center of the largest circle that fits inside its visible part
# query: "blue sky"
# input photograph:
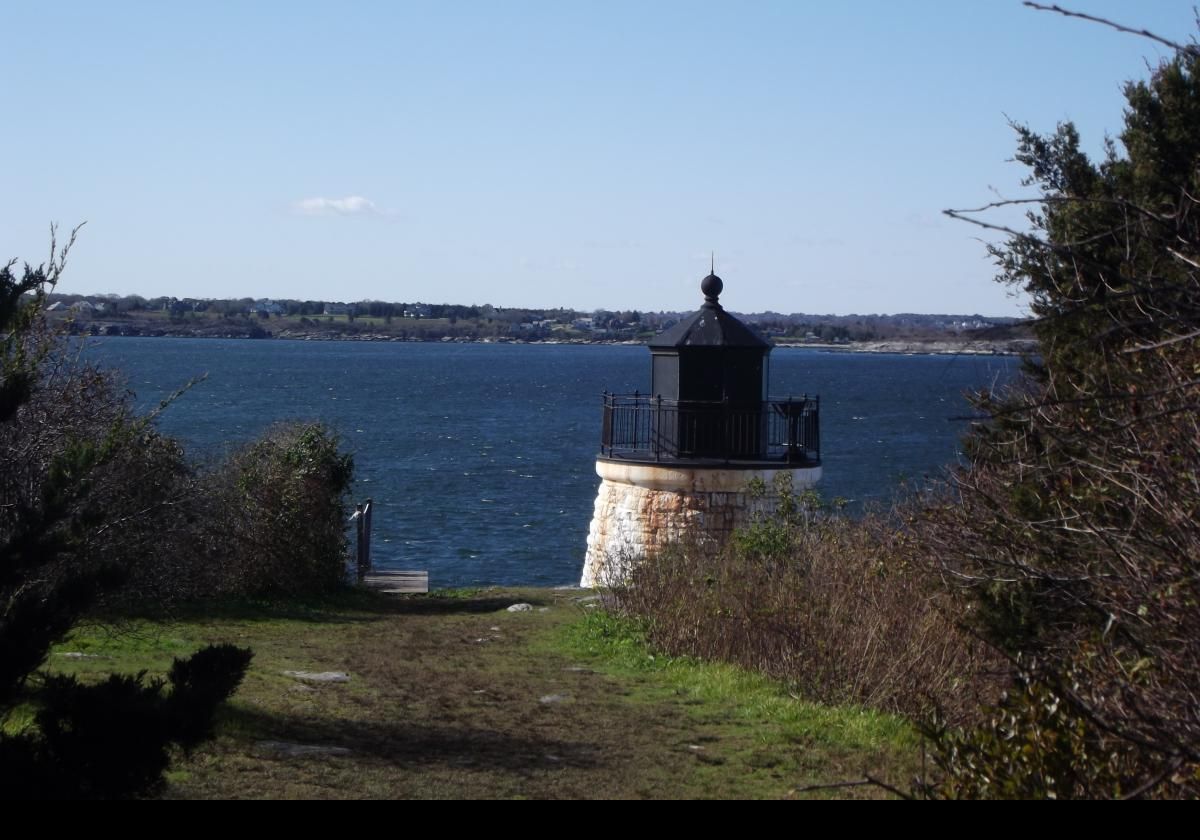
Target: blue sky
(579, 154)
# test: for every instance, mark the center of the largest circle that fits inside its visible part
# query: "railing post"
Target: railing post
(358, 542)
(636, 420)
(816, 425)
(368, 512)
(794, 419)
(606, 427)
(657, 427)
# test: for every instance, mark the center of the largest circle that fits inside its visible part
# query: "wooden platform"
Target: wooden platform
(397, 582)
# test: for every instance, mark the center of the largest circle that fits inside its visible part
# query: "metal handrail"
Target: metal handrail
(641, 427)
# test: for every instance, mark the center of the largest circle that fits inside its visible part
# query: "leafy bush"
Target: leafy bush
(281, 508)
(270, 519)
(1035, 745)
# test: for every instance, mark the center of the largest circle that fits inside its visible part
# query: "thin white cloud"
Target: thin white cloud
(351, 205)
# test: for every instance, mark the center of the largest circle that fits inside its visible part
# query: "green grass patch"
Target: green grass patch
(619, 645)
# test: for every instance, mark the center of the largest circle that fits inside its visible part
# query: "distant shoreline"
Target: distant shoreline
(938, 347)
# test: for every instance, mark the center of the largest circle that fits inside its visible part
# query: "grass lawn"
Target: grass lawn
(452, 696)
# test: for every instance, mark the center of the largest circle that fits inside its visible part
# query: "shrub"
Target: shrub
(829, 605)
(112, 739)
(281, 506)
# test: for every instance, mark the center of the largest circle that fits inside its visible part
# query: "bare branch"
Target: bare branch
(868, 781)
(1062, 199)
(1190, 49)
(57, 263)
(1182, 258)
(1164, 343)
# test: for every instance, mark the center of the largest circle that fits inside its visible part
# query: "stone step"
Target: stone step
(398, 582)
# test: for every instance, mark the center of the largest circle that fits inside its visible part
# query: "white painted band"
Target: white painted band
(700, 479)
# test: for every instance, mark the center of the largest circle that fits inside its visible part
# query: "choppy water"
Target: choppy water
(480, 458)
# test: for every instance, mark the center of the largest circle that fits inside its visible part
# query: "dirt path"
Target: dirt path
(457, 697)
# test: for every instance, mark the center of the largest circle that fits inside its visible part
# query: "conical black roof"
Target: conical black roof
(712, 326)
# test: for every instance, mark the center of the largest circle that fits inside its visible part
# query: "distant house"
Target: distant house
(266, 307)
(56, 307)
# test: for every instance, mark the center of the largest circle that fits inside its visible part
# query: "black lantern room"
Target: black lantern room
(710, 356)
(709, 401)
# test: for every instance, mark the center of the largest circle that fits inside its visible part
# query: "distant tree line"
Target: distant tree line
(434, 321)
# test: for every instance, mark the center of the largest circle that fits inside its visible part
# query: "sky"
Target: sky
(544, 154)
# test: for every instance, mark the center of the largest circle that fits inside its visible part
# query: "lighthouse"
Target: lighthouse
(681, 460)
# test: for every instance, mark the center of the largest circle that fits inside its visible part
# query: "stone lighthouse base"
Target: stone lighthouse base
(642, 507)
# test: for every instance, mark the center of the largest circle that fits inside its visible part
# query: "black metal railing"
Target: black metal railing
(644, 428)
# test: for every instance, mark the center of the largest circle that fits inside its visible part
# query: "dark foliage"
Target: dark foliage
(52, 490)
(86, 488)
(112, 739)
(199, 684)
(1075, 534)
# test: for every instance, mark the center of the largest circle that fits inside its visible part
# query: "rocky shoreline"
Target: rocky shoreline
(1005, 347)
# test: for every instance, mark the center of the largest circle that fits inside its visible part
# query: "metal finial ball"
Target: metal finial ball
(711, 286)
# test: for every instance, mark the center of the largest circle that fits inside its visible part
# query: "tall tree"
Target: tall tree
(1076, 533)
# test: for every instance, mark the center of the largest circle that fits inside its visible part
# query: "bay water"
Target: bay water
(480, 458)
